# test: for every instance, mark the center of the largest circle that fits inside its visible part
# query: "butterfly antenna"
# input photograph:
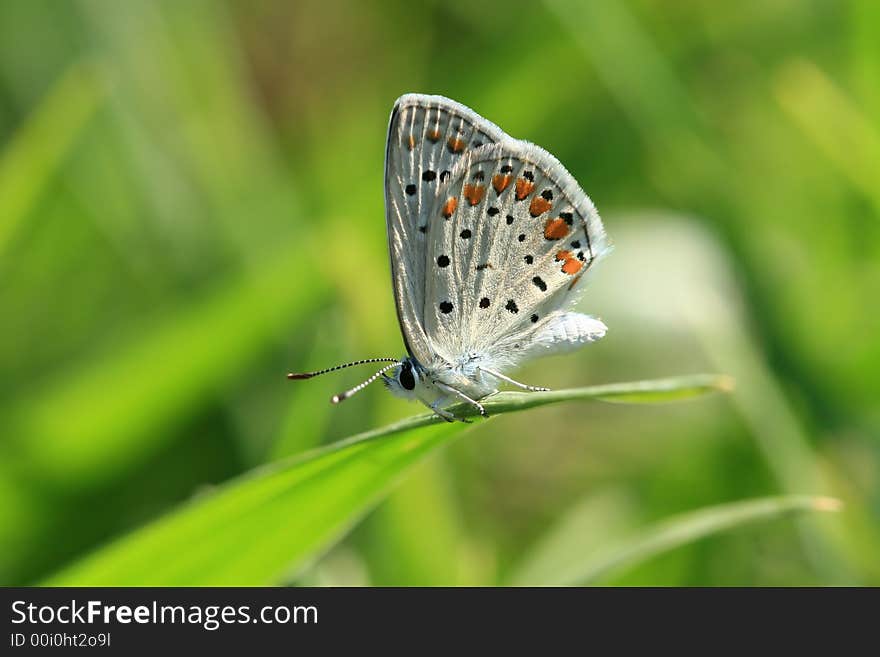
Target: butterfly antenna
(309, 375)
(348, 393)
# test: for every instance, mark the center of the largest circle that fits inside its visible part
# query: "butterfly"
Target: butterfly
(489, 239)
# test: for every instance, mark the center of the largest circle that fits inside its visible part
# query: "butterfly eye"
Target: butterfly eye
(406, 378)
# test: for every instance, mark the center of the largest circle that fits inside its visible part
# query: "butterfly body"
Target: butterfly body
(489, 238)
(475, 375)
(431, 384)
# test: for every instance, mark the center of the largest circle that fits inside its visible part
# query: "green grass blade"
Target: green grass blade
(582, 530)
(686, 528)
(41, 143)
(833, 122)
(263, 526)
(639, 392)
(269, 523)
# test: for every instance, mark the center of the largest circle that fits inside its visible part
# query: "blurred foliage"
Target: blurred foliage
(191, 205)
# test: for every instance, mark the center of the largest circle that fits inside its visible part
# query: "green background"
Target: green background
(191, 205)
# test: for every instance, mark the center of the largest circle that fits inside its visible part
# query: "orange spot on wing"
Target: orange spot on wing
(563, 255)
(500, 182)
(572, 266)
(474, 193)
(449, 207)
(555, 229)
(411, 142)
(539, 206)
(434, 135)
(523, 188)
(455, 144)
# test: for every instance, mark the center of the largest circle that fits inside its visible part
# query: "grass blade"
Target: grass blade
(686, 528)
(263, 526)
(42, 142)
(582, 530)
(833, 122)
(639, 392)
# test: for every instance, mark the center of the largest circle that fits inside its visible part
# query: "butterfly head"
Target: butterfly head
(403, 379)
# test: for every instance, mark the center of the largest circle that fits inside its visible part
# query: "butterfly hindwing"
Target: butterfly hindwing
(510, 236)
(427, 137)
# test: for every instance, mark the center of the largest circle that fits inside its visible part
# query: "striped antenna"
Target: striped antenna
(348, 393)
(309, 375)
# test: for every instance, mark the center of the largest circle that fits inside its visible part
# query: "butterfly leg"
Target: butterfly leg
(462, 396)
(499, 375)
(438, 409)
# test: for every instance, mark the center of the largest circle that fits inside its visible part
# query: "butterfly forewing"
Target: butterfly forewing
(427, 137)
(510, 236)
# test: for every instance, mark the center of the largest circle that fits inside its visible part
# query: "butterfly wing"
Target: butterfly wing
(427, 137)
(511, 235)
